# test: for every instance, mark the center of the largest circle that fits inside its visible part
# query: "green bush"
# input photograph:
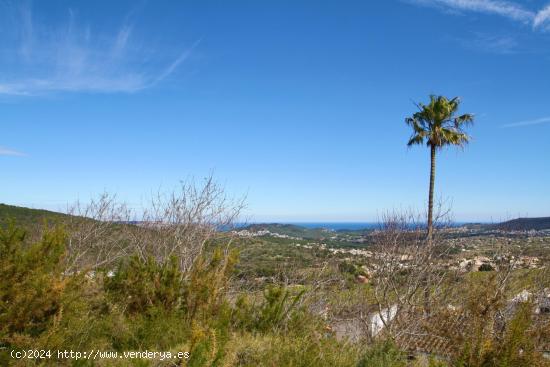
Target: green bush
(31, 284)
(383, 354)
(142, 285)
(305, 350)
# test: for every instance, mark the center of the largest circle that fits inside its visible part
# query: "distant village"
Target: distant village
(473, 247)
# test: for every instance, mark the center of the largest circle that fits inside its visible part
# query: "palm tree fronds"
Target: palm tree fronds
(416, 139)
(463, 120)
(437, 123)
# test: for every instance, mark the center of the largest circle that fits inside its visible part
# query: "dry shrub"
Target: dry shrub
(175, 224)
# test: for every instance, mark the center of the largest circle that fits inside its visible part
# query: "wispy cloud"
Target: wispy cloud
(174, 65)
(73, 57)
(542, 19)
(538, 19)
(490, 43)
(8, 151)
(539, 121)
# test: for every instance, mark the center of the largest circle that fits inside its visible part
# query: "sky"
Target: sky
(297, 105)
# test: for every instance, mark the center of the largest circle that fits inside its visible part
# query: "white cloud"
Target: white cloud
(538, 19)
(8, 151)
(502, 8)
(542, 18)
(73, 57)
(539, 121)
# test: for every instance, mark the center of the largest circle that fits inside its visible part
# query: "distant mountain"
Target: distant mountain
(525, 224)
(291, 230)
(27, 216)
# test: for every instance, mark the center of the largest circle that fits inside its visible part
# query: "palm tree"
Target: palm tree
(438, 125)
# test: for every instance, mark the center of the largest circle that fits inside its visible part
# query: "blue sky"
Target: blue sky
(298, 105)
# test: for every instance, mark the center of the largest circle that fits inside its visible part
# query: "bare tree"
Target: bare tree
(181, 222)
(407, 272)
(178, 223)
(97, 232)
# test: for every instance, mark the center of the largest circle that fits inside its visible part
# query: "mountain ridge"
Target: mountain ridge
(525, 224)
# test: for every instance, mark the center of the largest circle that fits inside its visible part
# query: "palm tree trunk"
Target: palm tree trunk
(431, 194)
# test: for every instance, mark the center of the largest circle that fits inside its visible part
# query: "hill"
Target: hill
(525, 224)
(27, 216)
(291, 230)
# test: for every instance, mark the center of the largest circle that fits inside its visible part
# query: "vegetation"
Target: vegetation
(151, 305)
(290, 230)
(96, 281)
(26, 217)
(525, 224)
(220, 313)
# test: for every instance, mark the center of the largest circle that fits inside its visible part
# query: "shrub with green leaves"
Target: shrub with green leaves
(383, 354)
(31, 284)
(145, 284)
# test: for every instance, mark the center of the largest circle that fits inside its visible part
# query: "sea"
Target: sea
(338, 226)
(353, 226)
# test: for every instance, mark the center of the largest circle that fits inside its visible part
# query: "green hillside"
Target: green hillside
(291, 230)
(525, 224)
(26, 216)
